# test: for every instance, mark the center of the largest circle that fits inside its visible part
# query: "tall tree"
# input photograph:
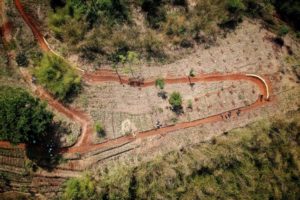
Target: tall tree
(22, 117)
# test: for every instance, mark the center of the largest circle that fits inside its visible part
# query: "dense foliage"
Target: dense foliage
(79, 189)
(93, 12)
(22, 117)
(257, 162)
(175, 100)
(58, 77)
(290, 11)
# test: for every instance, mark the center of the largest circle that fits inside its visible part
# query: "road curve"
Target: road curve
(168, 129)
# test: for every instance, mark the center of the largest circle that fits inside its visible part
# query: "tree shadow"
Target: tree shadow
(178, 110)
(45, 151)
(162, 94)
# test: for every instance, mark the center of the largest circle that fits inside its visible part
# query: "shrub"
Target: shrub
(235, 6)
(160, 82)
(283, 30)
(290, 11)
(99, 129)
(79, 189)
(175, 101)
(22, 117)
(190, 104)
(22, 60)
(156, 12)
(58, 77)
(192, 73)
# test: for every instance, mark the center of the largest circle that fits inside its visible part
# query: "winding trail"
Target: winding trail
(37, 34)
(84, 144)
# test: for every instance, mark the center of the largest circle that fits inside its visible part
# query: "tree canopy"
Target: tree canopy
(22, 117)
(58, 77)
(175, 100)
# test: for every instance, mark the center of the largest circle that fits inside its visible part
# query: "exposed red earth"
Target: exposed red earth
(37, 34)
(84, 144)
(5, 31)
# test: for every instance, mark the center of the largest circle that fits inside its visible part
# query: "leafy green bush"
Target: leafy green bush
(283, 30)
(22, 117)
(79, 189)
(58, 77)
(78, 11)
(192, 73)
(99, 129)
(160, 82)
(235, 5)
(190, 104)
(175, 101)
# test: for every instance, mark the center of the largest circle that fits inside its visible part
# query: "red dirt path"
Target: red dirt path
(33, 27)
(5, 31)
(84, 144)
(168, 129)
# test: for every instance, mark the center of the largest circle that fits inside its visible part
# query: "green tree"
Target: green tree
(58, 77)
(79, 189)
(175, 101)
(22, 117)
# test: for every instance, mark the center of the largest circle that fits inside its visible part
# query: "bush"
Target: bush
(99, 129)
(79, 189)
(192, 73)
(190, 104)
(283, 31)
(290, 11)
(22, 117)
(22, 60)
(160, 82)
(235, 6)
(155, 12)
(58, 77)
(175, 101)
